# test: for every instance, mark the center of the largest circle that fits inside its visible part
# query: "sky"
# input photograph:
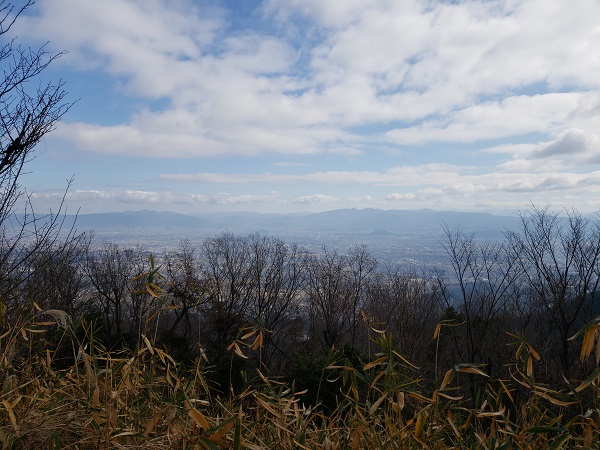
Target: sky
(296, 106)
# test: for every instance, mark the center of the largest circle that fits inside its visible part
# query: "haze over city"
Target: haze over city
(311, 105)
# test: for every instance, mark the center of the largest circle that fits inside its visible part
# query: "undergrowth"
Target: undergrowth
(142, 398)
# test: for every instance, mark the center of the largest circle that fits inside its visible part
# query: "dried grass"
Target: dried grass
(144, 400)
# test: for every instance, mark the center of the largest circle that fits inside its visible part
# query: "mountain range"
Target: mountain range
(369, 221)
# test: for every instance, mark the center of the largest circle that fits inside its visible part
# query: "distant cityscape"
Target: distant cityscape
(397, 238)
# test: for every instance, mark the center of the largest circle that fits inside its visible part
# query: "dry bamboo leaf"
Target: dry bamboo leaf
(472, 370)
(266, 406)
(589, 339)
(124, 433)
(111, 415)
(238, 351)
(96, 397)
(449, 397)
(148, 345)
(436, 333)
(419, 397)
(376, 330)
(152, 423)
(447, 378)
(247, 335)
(376, 405)
(356, 438)
(589, 380)
(258, 342)
(529, 366)
(492, 414)
(533, 352)
(375, 363)
(553, 400)
(218, 435)
(9, 408)
(300, 445)
(404, 359)
(400, 401)
(588, 434)
(507, 391)
(451, 422)
(197, 416)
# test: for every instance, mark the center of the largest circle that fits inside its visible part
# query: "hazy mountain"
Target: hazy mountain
(355, 221)
(139, 219)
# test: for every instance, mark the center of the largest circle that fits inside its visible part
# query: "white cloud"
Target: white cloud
(401, 175)
(316, 199)
(346, 81)
(245, 93)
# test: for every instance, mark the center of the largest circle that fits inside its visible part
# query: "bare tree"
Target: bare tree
(276, 281)
(226, 266)
(111, 271)
(559, 257)
(361, 266)
(29, 109)
(404, 303)
(186, 291)
(486, 275)
(330, 297)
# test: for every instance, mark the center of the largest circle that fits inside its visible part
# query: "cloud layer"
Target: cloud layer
(472, 102)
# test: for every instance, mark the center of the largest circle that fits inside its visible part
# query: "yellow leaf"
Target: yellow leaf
(472, 370)
(404, 359)
(447, 378)
(238, 350)
(218, 435)
(400, 401)
(197, 416)
(375, 405)
(148, 345)
(247, 335)
(436, 333)
(258, 342)
(374, 363)
(419, 425)
(492, 414)
(533, 352)
(553, 400)
(589, 339)
(449, 397)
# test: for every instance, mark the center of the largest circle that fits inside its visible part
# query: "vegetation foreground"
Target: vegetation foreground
(142, 398)
(274, 347)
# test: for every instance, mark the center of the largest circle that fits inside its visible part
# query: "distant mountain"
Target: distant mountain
(354, 221)
(139, 219)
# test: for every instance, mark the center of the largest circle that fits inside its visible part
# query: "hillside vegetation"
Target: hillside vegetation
(246, 342)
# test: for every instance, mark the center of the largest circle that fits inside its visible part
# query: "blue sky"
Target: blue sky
(312, 105)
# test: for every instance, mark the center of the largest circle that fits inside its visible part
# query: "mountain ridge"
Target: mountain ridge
(349, 220)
